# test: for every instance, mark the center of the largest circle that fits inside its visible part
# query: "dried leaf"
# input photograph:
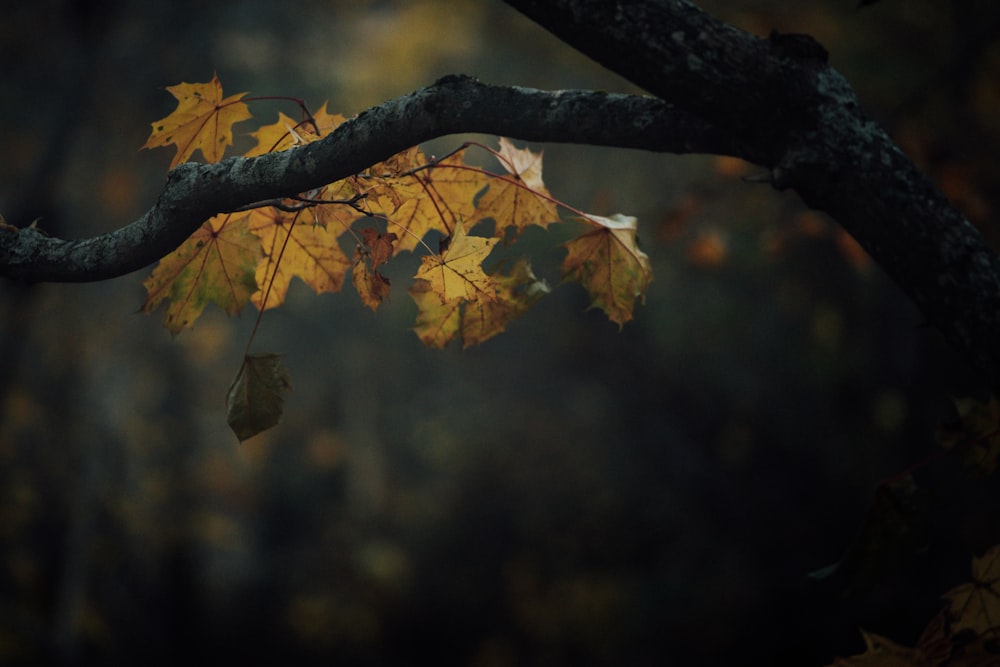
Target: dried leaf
(255, 401)
(372, 286)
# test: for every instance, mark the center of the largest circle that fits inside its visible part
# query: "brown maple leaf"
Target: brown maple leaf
(203, 120)
(376, 250)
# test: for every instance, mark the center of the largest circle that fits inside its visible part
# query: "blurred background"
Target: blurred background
(564, 494)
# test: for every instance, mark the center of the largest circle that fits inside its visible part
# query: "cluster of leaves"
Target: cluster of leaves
(966, 633)
(251, 256)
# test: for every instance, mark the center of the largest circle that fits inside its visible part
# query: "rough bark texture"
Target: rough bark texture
(454, 104)
(791, 112)
(775, 102)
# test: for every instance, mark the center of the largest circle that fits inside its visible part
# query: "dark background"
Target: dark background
(565, 493)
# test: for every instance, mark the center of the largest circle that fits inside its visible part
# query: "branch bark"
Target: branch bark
(775, 102)
(454, 104)
(793, 113)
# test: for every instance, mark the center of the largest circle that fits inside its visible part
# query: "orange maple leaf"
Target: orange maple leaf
(215, 265)
(607, 261)
(458, 271)
(520, 200)
(295, 247)
(203, 121)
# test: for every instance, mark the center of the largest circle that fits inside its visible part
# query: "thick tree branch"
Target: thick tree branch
(775, 102)
(455, 104)
(790, 111)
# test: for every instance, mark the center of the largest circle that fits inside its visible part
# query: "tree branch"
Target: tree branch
(793, 113)
(454, 104)
(775, 102)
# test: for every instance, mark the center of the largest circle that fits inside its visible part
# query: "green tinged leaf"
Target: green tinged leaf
(255, 401)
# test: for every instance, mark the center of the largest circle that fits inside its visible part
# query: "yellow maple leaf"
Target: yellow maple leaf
(975, 606)
(295, 247)
(288, 133)
(458, 271)
(607, 261)
(388, 184)
(516, 292)
(520, 200)
(431, 199)
(216, 265)
(439, 322)
(203, 121)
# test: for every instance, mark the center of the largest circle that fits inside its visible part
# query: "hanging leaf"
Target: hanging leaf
(255, 401)
(376, 250)
(521, 200)
(475, 320)
(608, 262)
